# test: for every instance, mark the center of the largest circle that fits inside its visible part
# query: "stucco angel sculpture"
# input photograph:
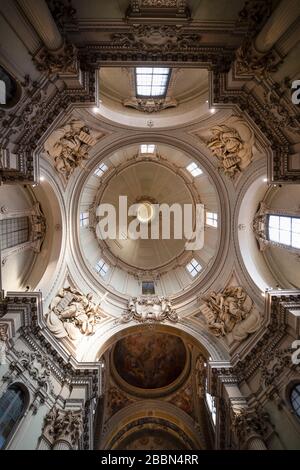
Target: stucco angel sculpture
(69, 146)
(231, 311)
(73, 314)
(232, 144)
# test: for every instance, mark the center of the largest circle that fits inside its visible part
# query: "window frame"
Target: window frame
(195, 171)
(101, 270)
(82, 219)
(194, 268)
(14, 231)
(289, 247)
(293, 386)
(18, 423)
(147, 152)
(151, 96)
(99, 172)
(214, 218)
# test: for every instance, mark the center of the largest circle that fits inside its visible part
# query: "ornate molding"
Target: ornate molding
(250, 62)
(61, 62)
(253, 15)
(201, 375)
(63, 425)
(284, 112)
(3, 332)
(273, 364)
(27, 123)
(278, 304)
(150, 105)
(63, 13)
(149, 309)
(158, 8)
(249, 423)
(37, 365)
(157, 39)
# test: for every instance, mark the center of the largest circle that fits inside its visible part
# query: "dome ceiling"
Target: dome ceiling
(146, 181)
(151, 179)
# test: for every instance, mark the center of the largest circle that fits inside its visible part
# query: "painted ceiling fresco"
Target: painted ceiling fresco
(150, 360)
(151, 439)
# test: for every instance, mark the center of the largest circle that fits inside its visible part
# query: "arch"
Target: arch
(291, 386)
(107, 336)
(13, 404)
(49, 272)
(261, 270)
(154, 412)
(250, 262)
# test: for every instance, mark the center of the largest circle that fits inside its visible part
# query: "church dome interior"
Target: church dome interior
(150, 225)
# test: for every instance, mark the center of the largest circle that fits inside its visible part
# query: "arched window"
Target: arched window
(295, 399)
(274, 227)
(12, 408)
(10, 90)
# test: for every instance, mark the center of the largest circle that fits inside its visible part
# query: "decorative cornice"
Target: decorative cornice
(253, 15)
(277, 304)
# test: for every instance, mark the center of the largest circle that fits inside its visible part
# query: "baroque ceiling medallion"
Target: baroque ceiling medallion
(147, 309)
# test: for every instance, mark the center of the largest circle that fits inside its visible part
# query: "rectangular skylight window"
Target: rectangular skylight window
(194, 169)
(101, 170)
(194, 268)
(152, 82)
(84, 219)
(212, 219)
(102, 268)
(285, 230)
(147, 148)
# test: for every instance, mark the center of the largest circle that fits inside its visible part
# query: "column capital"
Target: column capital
(63, 426)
